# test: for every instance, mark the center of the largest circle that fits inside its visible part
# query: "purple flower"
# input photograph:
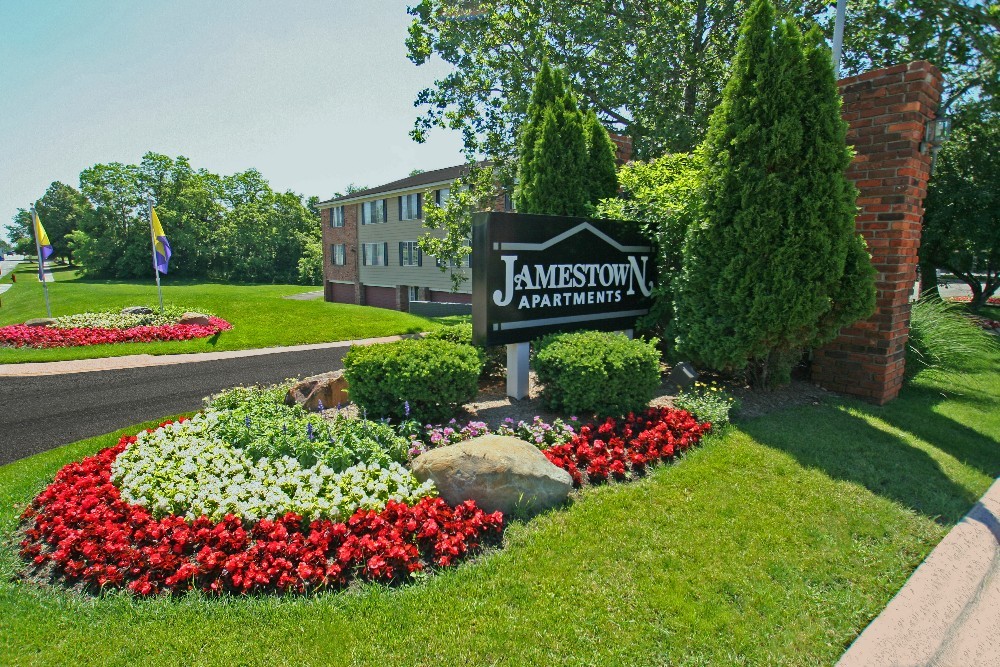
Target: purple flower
(406, 408)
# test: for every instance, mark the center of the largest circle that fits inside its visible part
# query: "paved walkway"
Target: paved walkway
(948, 613)
(147, 360)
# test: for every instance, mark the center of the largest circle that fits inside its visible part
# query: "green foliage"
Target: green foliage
(942, 338)
(601, 172)
(961, 231)
(433, 378)
(311, 263)
(597, 372)
(257, 420)
(708, 402)
(552, 174)
(662, 195)
(773, 265)
(494, 358)
(656, 71)
(115, 319)
(476, 190)
(233, 228)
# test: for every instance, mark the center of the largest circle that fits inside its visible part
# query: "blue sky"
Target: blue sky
(315, 94)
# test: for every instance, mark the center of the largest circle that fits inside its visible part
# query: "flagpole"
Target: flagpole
(41, 262)
(152, 237)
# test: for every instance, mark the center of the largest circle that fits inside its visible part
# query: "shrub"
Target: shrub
(256, 420)
(774, 264)
(431, 378)
(707, 402)
(942, 337)
(597, 372)
(494, 358)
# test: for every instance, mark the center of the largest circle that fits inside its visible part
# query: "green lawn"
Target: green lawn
(259, 314)
(774, 543)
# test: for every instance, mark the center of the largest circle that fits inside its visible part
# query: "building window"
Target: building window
(409, 207)
(374, 254)
(508, 202)
(338, 254)
(373, 212)
(409, 254)
(441, 196)
(413, 294)
(337, 216)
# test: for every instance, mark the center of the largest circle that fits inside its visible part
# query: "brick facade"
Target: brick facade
(623, 147)
(348, 236)
(888, 110)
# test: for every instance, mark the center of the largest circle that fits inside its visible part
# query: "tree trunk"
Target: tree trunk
(929, 281)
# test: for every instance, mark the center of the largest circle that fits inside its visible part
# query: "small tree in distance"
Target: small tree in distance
(774, 265)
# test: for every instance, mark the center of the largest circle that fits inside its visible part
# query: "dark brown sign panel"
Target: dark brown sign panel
(537, 274)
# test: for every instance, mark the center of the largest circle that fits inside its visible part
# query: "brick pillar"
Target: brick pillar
(888, 110)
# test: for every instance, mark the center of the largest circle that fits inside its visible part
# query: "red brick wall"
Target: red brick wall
(887, 110)
(348, 235)
(623, 147)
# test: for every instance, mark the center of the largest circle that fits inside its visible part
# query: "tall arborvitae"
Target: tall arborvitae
(774, 267)
(567, 159)
(547, 89)
(559, 185)
(602, 170)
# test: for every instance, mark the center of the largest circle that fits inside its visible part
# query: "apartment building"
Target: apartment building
(370, 253)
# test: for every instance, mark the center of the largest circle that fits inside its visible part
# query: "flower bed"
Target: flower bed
(110, 327)
(83, 531)
(252, 495)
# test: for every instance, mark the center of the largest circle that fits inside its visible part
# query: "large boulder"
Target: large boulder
(137, 310)
(498, 472)
(330, 389)
(194, 318)
(40, 322)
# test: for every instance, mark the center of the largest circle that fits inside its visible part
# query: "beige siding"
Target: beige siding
(392, 232)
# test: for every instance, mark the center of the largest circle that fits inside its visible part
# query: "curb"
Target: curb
(147, 360)
(948, 612)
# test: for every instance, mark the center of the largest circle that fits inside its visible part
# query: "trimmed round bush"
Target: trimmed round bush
(597, 372)
(494, 358)
(430, 378)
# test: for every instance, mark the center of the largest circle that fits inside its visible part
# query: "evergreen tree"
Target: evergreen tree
(602, 171)
(774, 266)
(547, 89)
(559, 185)
(553, 175)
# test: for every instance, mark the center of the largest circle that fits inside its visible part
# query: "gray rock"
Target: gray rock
(137, 310)
(498, 472)
(682, 376)
(40, 322)
(328, 388)
(194, 318)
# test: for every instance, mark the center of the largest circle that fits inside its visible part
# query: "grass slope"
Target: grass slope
(261, 317)
(773, 544)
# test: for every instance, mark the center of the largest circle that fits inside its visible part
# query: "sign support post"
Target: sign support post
(518, 383)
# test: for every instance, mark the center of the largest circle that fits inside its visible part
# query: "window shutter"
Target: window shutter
(364, 254)
(401, 253)
(385, 254)
(399, 200)
(385, 210)
(420, 256)
(420, 205)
